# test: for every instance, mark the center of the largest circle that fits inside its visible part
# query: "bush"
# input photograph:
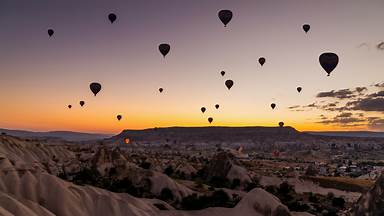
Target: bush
(338, 202)
(168, 171)
(166, 194)
(235, 183)
(145, 165)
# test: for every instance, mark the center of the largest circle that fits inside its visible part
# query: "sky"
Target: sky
(41, 75)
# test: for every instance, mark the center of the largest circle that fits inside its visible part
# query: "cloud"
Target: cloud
(343, 93)
(344, 119)
(376, 123)
(367, 104)
(380, 46)
(379, 85)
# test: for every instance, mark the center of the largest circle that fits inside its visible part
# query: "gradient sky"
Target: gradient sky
(40, 76)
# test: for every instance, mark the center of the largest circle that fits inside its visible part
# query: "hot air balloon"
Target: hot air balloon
(112, 17)
(306, 27)
(261, 61)
(210, 119)
(203, 109)
(126, 140)
(50, 32)
(222, 73)
(164, 49)
(119, 117)
(229, 84)
(273, 105)
(69, 106)
(95, 87)
(82, 103)
(217, 106)
(328, 61)
(281, 124)
(299, 89)
(161, 90)
(225, 16)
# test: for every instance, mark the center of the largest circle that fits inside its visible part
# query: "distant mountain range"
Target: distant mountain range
(348, 133)
(65, 135)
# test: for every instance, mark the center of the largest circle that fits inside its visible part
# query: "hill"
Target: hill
(65, 135)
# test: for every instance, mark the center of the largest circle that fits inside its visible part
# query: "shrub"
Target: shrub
(338, 202)
(168, 171)
(166, 194)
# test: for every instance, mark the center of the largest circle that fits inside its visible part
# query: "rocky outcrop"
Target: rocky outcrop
(372, 202)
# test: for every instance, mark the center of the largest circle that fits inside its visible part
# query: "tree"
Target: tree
(166, 194)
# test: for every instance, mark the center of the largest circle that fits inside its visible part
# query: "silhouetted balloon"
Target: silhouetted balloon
(210, 119)
(119, 117)
(262, 61)
(217, 106)
(222, 73)
(225, 16)
(69, 106)
(306, 27)
(161, 90)
(50, 32)
(112, 17)
(281, 124)
(95, 87)
(82, 103)
(229, 84)
(273, 105)
(328, 61)
(164, 49)
(203, 109)
(299, 89)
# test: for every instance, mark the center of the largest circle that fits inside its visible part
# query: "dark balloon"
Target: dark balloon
(69, 106)
(119, 117)
(210, 120)
(161, 90)
(95, 87)
(262, 61)
(112, 17)
(229, 84)
(299, 89)
(273, 105)
(281, 124)
(306, 27)
(222, 73)
(50, 32)
(328, 61)
(82, 103)
(225, 16)
(203, 109)
(164, 49)
(217, 106)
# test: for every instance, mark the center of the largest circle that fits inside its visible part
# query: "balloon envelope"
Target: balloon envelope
(210, 119)
(229, 84)
(328, 61)
(50, 32)
(261, 61)
(203, 109)
(281, 124)
(225, 16)
(95, 87)
(69, 106)
(273, 105)
(82, 103)
(126, 140)
(306, 27)
(161, 90)
(217, 106)
(112, 17)
(119, 117)
(222, 73)
(299, 89)
(164, 49)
